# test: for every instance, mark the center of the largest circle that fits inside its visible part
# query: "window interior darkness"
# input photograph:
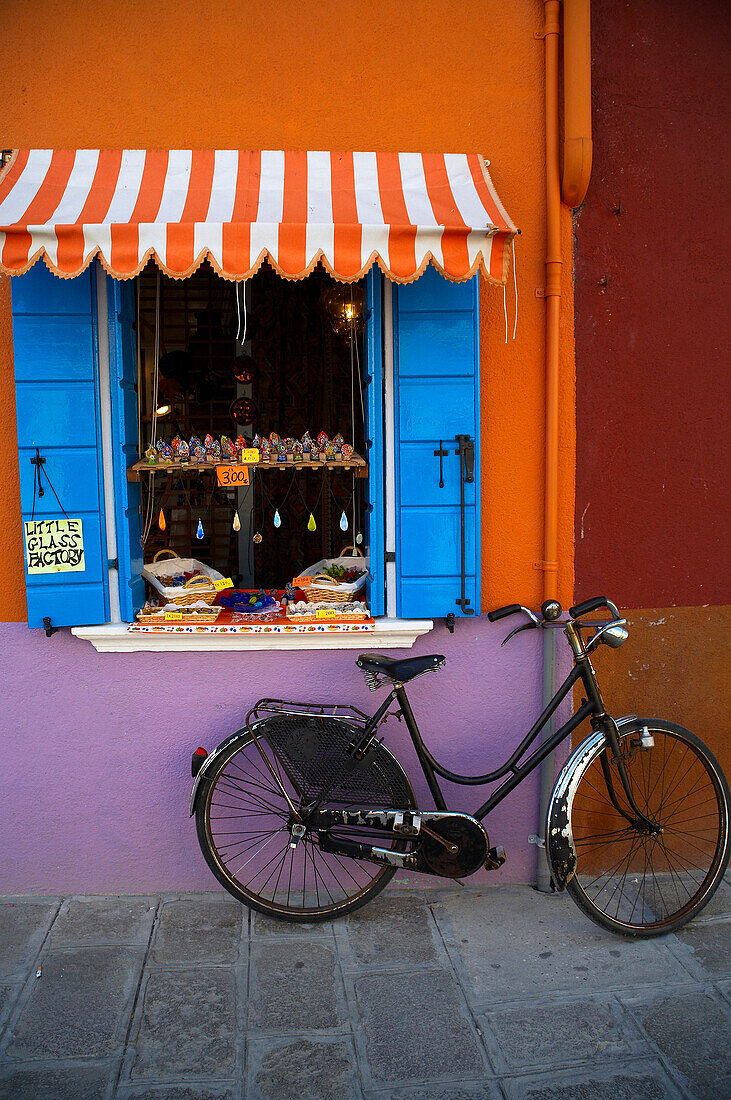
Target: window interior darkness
(298, 375)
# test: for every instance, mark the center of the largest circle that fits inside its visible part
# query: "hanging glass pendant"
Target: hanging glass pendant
(237, 522)
(277, 518)
(359, 538)
(161, 521)
(199, 532)
(311, 525)
(343, 522)
(256, 538)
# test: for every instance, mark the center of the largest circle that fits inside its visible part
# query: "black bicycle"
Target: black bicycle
(305, 814)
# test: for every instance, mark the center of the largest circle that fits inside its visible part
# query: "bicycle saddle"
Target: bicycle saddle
(400, 670)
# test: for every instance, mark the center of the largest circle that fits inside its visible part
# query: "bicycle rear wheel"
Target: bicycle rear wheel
(243, 817)
(638, 881)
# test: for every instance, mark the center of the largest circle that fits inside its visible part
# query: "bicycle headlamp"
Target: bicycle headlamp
(615, 635)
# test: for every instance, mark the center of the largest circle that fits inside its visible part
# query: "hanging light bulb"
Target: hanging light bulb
(343, 522)
(199, 532)
(237, 522)
(311, 525)
(161, 521)
(277, 518)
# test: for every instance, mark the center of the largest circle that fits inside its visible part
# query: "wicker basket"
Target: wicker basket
(193, 617)
(197, 588)
(324, 589)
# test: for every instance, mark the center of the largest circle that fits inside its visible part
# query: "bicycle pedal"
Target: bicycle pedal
(495, 857)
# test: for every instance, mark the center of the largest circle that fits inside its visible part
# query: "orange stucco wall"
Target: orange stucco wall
(425, 75)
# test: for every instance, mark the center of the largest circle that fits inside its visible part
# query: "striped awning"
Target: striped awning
(238, 208)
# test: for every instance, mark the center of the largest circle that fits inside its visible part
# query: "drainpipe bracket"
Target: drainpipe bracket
(546, 566)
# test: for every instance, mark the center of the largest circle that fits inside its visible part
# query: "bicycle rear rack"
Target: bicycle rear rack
(311, 710)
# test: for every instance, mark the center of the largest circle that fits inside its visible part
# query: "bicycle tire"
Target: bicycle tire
(650, 885)
(309, 754)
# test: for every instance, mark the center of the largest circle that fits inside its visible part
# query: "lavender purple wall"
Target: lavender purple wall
(96, 763)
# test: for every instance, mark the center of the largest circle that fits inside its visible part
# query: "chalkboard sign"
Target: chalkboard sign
(54, 546)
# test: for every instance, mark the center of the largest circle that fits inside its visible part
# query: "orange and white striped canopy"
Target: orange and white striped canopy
(238, 208)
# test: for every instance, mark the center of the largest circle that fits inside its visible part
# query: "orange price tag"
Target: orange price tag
(301, 582)
(232, 475)
(225, 582)
(325, 613)
(250, 455)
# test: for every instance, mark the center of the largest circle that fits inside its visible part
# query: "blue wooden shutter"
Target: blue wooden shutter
(375, 539)
(57, 403)
(123, 389)
(436, 392)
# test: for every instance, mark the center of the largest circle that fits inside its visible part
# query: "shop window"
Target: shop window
(86, 400)
(276, 363)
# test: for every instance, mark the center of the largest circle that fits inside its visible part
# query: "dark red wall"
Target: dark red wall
(653, 322)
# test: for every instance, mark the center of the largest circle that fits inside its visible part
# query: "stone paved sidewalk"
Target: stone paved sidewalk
(438, 994)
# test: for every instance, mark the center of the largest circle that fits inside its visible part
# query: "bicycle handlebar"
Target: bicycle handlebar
(503, 612)
(594, 604)
(575, 612)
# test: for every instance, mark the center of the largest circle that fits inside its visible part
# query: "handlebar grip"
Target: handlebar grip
(503, 612)
(588, 605)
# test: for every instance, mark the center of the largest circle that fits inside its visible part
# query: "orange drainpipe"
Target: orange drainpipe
(573, 185)
(551, 36)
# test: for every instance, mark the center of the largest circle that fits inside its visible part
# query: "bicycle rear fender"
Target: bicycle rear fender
(208, 764)
(560, 847)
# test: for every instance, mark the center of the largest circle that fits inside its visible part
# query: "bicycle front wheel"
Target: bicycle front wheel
(644, 881)
(244, 817)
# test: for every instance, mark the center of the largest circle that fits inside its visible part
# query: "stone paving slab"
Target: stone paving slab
(302, 1069)
(512, 938)
(415, 1028)
(645, 1080)
(187, 1025)
(51, 1082)
(560, 1032)
(24, 924)
(393, 932)
(295, 986)
(263, 925)
(80, 1006)
(95, 921)
(203, 928)
(685, 1027)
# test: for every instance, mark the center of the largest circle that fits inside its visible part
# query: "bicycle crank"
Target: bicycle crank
(455, 846)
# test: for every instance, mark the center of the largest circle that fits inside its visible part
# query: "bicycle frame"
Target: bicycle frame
(431, 768)
(512, 771)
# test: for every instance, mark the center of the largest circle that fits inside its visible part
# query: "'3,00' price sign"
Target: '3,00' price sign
(232, 475)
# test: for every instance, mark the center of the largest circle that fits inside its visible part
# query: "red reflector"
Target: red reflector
(200, 752)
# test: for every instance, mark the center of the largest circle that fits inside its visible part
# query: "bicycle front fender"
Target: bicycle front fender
(560, 847)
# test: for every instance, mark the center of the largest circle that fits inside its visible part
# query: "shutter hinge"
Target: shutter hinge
(113, 563)
(389, 556)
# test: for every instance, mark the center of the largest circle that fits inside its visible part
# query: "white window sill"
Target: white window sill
(388, 634)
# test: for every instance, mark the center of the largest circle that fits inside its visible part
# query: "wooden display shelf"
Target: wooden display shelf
(355, 463)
